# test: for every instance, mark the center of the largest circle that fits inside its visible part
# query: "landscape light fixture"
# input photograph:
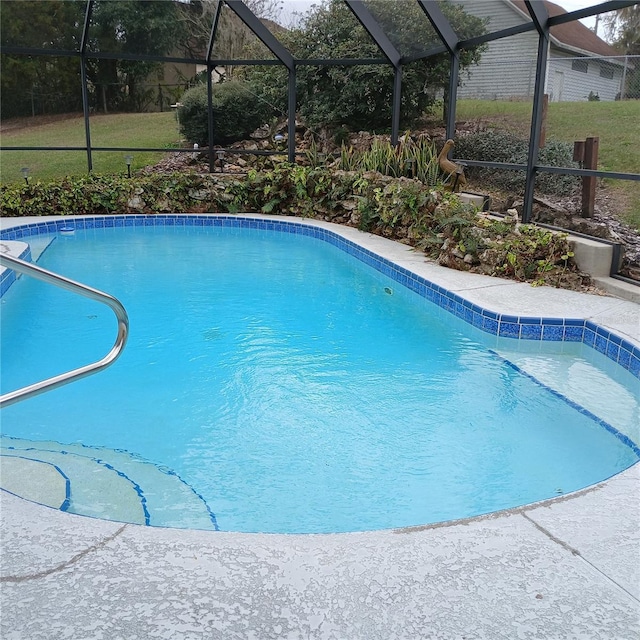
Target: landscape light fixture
(25, 174)
(220, 155)
(128, 160)
(278, 137)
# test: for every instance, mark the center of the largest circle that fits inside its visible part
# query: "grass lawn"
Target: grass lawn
(616, 124)
(117, 130)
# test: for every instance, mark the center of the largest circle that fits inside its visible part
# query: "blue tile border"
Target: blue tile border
(610, 345)
(8, 276)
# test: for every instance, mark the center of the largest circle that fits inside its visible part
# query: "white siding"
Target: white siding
(499, 14)
(507, 69)
(577, 85)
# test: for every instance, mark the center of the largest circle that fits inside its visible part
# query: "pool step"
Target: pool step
(116, 485)
(94, 489)
(35, 480)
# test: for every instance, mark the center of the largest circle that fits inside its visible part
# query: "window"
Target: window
(580, 65)
(606, 72)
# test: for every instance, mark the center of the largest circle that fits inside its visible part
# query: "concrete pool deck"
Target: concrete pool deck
(565, 568)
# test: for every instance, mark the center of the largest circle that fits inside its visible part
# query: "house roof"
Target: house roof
(573, 34)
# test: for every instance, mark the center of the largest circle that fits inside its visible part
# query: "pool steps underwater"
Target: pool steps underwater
(35, 480)
(105, 483)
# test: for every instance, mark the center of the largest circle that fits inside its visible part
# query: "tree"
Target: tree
(623, 30)
(129, 26)
(39, 84)
(360, 97)
(33, 85)
(233, 37)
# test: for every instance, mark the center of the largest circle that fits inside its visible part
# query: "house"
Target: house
(581, 65)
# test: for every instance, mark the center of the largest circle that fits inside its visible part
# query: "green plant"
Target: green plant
(236, 113)
(314, 156)
(529, 253)
(423, 216)
(341, 136)
(503, 146)
(96, 194)
(423, 161)
(348, 158)
(411, 158)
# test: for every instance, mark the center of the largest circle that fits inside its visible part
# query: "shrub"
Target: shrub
(428, 218)
(193, 116)
(503, 146)
(236, 113)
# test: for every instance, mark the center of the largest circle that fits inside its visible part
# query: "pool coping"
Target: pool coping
(569, 567)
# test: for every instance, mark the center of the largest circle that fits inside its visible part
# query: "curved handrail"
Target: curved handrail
(94, 294)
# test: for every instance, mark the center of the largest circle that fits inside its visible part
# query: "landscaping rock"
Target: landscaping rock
(261, 132)
(136, 203)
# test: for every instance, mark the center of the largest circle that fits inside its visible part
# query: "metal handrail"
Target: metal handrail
(94, 294)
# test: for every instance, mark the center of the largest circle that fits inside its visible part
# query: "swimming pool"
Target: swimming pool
(336, 396)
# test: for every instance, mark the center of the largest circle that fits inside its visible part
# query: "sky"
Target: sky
(574, 5)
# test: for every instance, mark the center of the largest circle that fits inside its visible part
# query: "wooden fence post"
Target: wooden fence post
(589, 182)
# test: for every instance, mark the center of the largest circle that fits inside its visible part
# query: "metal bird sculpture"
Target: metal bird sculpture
(454, 172)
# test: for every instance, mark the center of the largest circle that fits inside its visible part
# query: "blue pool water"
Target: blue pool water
(293, 388)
